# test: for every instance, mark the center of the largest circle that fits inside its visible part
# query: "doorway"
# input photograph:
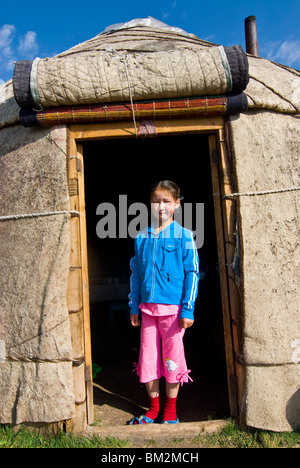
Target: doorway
(128, 166)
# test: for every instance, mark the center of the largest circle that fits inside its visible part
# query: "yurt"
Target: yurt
(84, 134)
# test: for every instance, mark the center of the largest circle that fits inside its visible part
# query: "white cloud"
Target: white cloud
(28, 46)
(14, 47)
(7, 33)
(286, 52)
(165, 14)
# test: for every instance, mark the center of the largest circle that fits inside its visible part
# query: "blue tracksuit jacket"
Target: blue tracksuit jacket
(165, 269)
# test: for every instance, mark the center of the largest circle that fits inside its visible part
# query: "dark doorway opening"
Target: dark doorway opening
(129, 167)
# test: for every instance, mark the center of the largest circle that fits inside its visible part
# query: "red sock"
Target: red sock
(170, 409)
(153, 411)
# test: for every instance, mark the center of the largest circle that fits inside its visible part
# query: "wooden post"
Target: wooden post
(78, 296)
(85, 287)
(220, 232)
(230, 226)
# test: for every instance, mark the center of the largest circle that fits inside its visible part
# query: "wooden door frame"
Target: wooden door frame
(78, 288)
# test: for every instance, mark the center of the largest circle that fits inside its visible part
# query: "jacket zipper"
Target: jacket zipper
(153, 270)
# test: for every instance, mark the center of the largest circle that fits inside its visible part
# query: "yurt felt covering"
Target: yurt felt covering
(36, 372)
(266, 147)
(131, 64)
(34, 253)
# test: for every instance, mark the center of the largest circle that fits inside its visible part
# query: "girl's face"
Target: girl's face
(163, 206)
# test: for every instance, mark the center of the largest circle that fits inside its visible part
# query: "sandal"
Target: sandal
(171, 422)
(142, 420)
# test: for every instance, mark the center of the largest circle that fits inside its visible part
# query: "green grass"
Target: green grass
(230, 437)
(233, 437)
(25, 438)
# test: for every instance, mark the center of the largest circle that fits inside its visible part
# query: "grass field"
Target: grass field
(230, 437)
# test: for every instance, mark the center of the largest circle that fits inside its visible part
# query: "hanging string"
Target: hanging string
(124, 60)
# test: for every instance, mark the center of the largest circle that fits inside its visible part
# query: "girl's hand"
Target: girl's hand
(135, 320)
(186, 323)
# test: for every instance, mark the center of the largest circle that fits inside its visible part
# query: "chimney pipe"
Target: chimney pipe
(251, 36)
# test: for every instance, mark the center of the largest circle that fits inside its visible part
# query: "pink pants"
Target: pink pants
(162, 350)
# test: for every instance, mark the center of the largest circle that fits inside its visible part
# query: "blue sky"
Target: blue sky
(34, 28)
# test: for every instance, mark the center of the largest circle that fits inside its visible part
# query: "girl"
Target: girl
(164, 286)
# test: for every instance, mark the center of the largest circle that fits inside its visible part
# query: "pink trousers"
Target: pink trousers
(162, 350)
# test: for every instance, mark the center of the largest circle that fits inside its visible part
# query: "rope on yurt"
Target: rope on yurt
(16, 358)
(10, 355)
(264, 192)
(38, 215)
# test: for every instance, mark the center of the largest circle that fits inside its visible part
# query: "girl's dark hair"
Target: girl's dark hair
(167, 185)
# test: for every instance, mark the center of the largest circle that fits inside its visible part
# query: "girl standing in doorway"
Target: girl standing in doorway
(164, 286)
